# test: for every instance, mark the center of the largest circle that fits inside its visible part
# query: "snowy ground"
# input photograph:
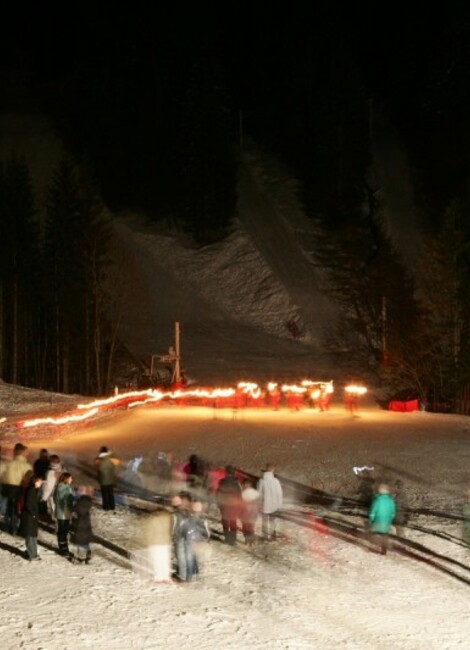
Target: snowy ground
(310, 590)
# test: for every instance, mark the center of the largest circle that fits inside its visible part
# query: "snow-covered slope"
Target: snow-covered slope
(253, 296)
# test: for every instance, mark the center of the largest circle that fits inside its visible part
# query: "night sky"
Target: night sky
(115, 80)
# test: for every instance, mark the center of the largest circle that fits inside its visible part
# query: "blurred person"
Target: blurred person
(157, 541)
(195, 533)
(351, 402)
(81, 527)
(294, 400)
(178, 476)
(250, 510)
(271, 498)
(381, 515)
(131, 479)
(163, 472)
(318, 543)
(134, 464)
(50, 484)
(274, 396)
(41, 464)
(195, 471)
(324, 399)
(106, 465)
(181, 504)
(214, 475)
(229, 502)
(3, 498)
(401, 505)
(13, 476)
(366, 488)
(40, 467)
(25, 482)
(466, 519)
(30, 517)
(63, 499)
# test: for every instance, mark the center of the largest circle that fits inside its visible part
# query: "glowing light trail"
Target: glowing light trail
(62, 420)
(252, 390)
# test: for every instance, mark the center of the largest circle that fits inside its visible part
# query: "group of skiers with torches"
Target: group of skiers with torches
(315, 395)
(312, 394)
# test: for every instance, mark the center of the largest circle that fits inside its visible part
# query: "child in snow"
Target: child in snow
(63, 499)
(381, 515)
(200, 537)
(30, 516)
(82, 530)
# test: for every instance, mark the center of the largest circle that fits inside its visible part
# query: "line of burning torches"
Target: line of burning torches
(313, 389)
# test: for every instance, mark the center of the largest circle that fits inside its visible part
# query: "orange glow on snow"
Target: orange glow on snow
(135, 398)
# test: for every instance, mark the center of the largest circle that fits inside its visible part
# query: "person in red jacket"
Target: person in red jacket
(229, 502)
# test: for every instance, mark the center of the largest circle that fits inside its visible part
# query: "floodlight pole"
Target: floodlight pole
(384, 327)
(177, 368)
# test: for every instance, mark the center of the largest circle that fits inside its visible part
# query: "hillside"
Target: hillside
(253, 296)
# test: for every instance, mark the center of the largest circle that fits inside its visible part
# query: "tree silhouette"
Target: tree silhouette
(19, 268)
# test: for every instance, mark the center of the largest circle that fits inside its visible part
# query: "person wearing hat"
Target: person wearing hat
(271, 499)
(30, 517)
(106, 466)
(381, 515)
(12, 480)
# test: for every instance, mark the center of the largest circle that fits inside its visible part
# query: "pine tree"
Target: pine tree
(76, 245)
(375, 293)
(444, 287)
(65, 273)
(19, 271)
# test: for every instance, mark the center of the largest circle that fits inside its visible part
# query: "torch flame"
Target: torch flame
(355, 390)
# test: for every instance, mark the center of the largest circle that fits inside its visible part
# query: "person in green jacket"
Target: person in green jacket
(381, 515)
(466, 519)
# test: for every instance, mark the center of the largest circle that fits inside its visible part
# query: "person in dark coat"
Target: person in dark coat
(229, 502)
(82, 529)
(41, 464)
(30, 516)
(181, 505)
(195, 471)
(40, 467)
